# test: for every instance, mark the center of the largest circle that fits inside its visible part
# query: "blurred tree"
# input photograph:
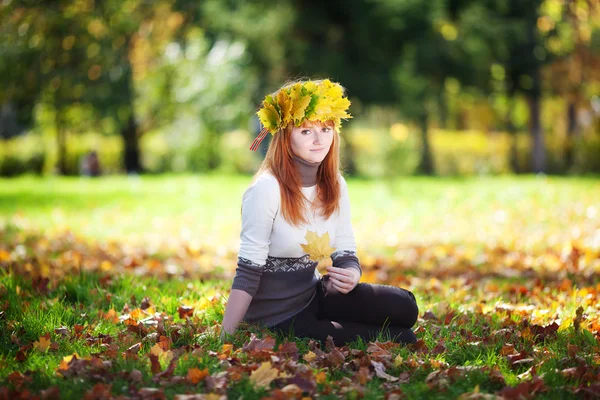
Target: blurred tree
(132, 34)
(508, 29)
(49, 47)
(20, 87)
(427, 51)
(263, 27)
(212, 90)
(74, 52)
(567, 29)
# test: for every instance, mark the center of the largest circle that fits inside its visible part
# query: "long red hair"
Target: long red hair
(279, 161)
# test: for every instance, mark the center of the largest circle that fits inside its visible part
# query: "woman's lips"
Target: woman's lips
(317, 150)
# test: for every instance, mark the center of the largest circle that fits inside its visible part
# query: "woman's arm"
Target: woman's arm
(345, 244)
(260, 204)
(237, 305)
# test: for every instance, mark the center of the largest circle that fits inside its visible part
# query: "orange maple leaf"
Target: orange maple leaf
(43, 343)
(195, 375)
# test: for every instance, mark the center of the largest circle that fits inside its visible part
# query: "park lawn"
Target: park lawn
(531, 212)
(505, 315)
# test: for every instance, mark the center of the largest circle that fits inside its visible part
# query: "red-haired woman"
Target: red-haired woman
(299, 188)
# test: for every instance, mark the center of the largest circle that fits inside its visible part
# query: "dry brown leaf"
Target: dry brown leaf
(380, 371)
(263, 375)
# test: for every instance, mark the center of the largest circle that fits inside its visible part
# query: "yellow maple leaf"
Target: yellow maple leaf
(4, 255)
(42, 344)
(398, 360)
(163, 356)
(318, 248)
(310, 356)
(285, 105)
(321, 377)
(264, 375)
(268, 115)
(166, 356)
(137, 314)
(106, 266)
(227, 349)
(44, 270)
(299, 102)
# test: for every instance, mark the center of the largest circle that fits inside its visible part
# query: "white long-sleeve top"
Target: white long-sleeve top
(272, 266)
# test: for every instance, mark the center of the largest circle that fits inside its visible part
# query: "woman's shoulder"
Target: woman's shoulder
(265, 184)
(342, 180)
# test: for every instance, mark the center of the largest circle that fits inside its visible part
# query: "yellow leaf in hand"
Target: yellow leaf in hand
(264, 375)
(318, 247)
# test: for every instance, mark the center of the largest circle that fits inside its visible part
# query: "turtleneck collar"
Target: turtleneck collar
(308, 171)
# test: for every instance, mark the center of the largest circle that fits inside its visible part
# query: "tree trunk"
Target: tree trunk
(131, 149)
(426, 163)
(571, 130)
(213, 154)
(443, 109)
(538, 162)
(61, 141)
(512, 132)
(129, 129)
(349, 157)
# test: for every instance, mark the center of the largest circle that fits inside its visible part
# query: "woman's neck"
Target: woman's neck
(308, 171)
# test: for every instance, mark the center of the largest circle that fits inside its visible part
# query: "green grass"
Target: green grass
(30, 315)
(409, 210)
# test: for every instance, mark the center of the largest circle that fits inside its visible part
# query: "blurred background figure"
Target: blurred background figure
(90, 164)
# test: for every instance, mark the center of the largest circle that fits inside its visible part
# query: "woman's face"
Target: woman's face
(311, 141)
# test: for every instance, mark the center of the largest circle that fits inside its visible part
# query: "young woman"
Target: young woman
(298, 189)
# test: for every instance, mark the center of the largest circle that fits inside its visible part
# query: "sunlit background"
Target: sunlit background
(439, 87)
(159, 99)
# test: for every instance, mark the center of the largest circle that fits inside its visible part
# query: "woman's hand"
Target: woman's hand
(224, 337)
(343, 279)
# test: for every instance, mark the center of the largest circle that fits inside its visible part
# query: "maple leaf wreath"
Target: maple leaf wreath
(320, 100)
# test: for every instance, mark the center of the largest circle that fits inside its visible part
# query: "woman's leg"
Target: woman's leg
(372, 304)
(342, 332)
(308, 324)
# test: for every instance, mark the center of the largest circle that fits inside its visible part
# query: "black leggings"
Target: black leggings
(360, 313)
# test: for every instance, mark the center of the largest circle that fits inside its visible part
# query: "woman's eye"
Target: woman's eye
(306, 131)
(326, 129)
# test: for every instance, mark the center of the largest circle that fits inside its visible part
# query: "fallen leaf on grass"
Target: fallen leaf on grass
(195, 375)
(380, 371)
(321, 377)
(263, 375)
(42, 343)
(309, 357)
